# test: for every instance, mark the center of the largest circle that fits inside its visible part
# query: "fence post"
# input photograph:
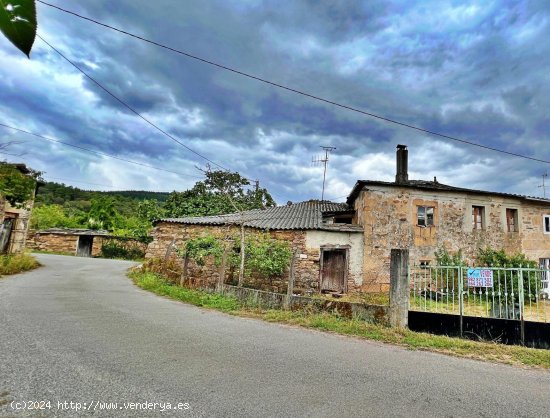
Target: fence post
(521, 295)
(399, 288)
(169, 250)
(290, 286)
(461, 297)
(183, 277)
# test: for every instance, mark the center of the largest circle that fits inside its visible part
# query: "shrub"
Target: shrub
(126, 250)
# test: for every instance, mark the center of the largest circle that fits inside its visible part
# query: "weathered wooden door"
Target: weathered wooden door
(84, 248)
(333, 270)
(5, 233)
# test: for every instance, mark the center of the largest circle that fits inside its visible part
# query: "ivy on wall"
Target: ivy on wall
(265, 256)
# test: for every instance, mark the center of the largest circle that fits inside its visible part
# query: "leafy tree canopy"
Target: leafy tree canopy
(102, 214)
(16, 187)
(221, 192)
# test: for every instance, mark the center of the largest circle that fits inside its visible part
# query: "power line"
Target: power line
(95, 152)
(281, 86)
(126, 105)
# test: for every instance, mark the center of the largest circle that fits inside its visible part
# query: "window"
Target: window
(425, 215)
(512, 220)
(546, 224)
(478, 215)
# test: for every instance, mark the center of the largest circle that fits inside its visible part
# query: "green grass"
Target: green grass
(376, 298)
(51, 252)
(487, 351)
(17, 263)
(154, 283)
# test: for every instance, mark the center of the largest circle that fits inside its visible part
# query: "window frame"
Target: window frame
(481, 215)
(544, 218)
(514, 217)
(425, 216)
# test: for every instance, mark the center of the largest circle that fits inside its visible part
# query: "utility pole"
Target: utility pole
(544, 176)
(324, 161)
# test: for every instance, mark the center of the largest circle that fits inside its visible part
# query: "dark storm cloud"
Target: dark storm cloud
(473, 70)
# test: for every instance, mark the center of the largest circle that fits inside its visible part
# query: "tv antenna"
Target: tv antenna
(544, 176)
(323, 160)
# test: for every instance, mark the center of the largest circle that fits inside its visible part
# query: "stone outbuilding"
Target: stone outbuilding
(14, 221)
(328, 248)
(80, 242)
(71, 241)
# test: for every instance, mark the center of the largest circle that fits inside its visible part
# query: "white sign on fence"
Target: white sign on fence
(480, 278)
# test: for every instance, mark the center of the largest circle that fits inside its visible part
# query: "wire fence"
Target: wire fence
(491, 292)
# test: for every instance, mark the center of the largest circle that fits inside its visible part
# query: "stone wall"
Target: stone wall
(2, 209)
(389, 218)
(377, 314)
(306, 267)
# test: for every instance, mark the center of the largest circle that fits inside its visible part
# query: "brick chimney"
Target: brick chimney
(402, 174)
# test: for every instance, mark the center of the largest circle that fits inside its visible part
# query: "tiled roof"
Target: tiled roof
(435, 186)
(303, 215)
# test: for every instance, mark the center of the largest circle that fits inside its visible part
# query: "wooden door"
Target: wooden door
(333, 270)
(5, 233)
(84, 248)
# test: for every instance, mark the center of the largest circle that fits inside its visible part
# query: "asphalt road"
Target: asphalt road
(77, 330)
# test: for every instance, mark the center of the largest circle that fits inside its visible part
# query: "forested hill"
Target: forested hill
(132, 213)
(52, 192)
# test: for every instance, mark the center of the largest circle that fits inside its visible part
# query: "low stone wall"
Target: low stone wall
(56, 243)
(377, 314)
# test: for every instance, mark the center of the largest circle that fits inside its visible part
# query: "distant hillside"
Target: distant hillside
(68, 196)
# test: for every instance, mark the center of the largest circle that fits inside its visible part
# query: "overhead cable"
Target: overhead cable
(95, 152)
(294, 90)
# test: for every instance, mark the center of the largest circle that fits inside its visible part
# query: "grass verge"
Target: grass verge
(487, 351)
(17, 263)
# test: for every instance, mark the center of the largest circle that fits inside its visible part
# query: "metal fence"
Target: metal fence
(491, 292)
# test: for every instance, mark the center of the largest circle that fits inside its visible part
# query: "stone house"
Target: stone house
(14, 221)
(419, 215)
(328, 249)
(425, 216)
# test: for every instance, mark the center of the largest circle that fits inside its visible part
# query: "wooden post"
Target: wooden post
(290, 285)
(169, 250)
(221, 278)
(399, 288)
(241, 269)
(183, 277)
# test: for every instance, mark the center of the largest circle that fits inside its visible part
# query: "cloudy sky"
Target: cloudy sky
(475, 70)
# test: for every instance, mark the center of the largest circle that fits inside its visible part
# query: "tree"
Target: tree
(18, 23)
(149, 210)
(102, 214)
(17, 188)
(221, 192)
(52, 216)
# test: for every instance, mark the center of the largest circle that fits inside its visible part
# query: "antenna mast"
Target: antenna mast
(545, 175)
(324, 161)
